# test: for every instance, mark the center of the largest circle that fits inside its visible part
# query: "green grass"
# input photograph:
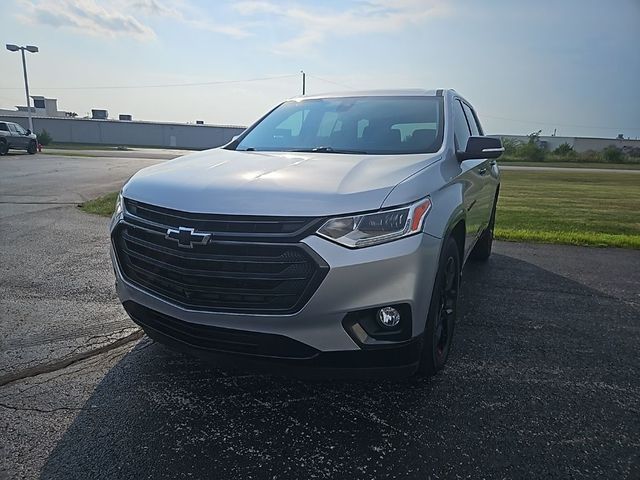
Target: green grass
(616, 166)
(71, 154)
(570, 207)
(80, 146)
(106, 147)
(574, 208)
(104, 205)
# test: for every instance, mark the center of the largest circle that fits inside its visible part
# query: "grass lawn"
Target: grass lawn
(616, 166)
(104, 205)
(570, 207)
(81, 146)
(71, 154)
(575, 208)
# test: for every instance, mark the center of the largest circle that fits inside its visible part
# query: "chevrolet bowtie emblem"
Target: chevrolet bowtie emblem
(187, 237)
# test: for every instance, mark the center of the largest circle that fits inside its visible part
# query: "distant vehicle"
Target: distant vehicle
(14, 137)
(330, 235)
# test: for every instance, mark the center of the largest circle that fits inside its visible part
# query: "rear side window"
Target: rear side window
(3, 127)
(460, 127)
(471, 119)
(12, 128)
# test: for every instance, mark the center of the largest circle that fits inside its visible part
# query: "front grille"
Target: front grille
(245, 226)
(238, 270)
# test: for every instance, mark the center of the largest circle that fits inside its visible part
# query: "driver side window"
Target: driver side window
(460, 126)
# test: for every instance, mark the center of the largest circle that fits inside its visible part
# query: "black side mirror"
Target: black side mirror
(28, 132)
(481, 147)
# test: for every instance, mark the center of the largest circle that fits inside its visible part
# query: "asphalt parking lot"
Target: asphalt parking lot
(543, 382)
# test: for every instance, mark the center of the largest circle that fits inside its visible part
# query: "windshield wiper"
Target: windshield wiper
(327, 150)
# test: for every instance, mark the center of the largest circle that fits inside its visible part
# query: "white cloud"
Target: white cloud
(86, 16)
(93, 17)
(316, 24)
(184, 13)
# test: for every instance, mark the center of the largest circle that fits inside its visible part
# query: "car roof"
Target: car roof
(407, 92)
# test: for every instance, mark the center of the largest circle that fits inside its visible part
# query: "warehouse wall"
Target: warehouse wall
(579, 144)
(115, 132)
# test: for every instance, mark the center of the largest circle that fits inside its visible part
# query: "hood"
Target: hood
(274, 183)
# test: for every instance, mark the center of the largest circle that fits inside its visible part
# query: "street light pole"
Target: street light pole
(32, 49)
(304, 82)
(26, 89)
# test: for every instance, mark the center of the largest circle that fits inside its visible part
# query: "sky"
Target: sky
(568, 65)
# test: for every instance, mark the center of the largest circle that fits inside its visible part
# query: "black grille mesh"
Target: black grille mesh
(228, 274)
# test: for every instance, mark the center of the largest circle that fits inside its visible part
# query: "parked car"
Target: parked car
(13, 136)
(330, 235)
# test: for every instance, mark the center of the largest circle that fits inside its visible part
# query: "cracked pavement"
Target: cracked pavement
(56, 290)
(543, 382)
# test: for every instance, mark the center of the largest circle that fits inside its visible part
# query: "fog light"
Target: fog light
(388, 317)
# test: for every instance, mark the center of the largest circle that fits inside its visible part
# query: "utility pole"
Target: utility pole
(304, 81)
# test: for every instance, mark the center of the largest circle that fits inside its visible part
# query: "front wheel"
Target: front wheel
(32, 148)
(443, 310)
(4, 147)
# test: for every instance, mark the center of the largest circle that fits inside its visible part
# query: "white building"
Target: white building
(42, 107)
(579, 144)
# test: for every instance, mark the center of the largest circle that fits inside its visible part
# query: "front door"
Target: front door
(469, 177)
(18, 140)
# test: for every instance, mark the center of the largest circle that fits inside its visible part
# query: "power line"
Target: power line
(164, 85)
(330, 81)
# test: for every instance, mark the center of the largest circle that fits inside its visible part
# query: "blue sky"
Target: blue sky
(570, 65)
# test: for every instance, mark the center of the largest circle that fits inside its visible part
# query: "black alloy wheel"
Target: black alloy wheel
(443, 310)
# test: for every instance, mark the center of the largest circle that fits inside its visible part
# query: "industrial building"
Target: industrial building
(579, 144)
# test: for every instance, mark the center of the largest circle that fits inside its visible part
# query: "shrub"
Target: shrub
(613, 154)
(510, 146)
(633, 152)
(565, 150)
(44, 138)
(531, 152)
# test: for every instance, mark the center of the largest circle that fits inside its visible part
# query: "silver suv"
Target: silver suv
(13, 136)
(329, 236)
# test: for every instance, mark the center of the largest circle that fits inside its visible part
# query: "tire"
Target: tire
(4, 147)
(482, 249)
(32, 148)
(443, 310)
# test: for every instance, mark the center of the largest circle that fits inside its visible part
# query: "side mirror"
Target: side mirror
(481, 147)
(28, 132)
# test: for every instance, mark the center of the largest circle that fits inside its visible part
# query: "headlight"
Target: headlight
(375, 228)
(118, 210)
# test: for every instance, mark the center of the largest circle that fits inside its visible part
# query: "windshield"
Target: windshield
(373, 125)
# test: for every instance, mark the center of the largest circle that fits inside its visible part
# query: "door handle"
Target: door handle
(482, 170)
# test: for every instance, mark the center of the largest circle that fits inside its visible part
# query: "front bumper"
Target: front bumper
(402, 271)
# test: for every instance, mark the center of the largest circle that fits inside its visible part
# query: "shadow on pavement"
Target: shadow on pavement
(543, 381)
